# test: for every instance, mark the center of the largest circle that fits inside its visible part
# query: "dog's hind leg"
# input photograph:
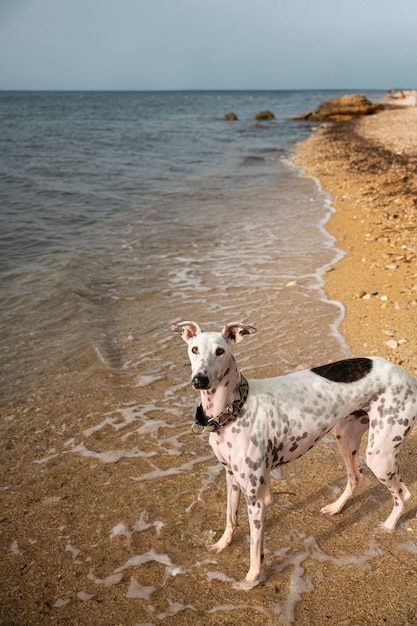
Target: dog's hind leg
(348, 437)
(391, 421)
(382, 459)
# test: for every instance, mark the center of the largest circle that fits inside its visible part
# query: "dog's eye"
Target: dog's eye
(194, 350)
(219, 351)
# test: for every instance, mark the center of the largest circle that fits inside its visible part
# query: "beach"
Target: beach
(108, 500)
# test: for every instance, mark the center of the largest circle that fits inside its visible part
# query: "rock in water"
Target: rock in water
(230, 116)
(264, 115)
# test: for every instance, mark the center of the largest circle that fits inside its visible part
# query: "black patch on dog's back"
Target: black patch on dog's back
(347, 371)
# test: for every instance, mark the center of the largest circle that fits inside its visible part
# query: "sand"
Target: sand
(369, 166)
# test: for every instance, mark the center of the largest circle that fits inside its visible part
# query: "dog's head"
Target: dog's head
(209, 353)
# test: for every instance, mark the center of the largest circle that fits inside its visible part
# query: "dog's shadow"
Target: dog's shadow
(367, 501)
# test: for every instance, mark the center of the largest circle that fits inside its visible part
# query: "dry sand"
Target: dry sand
(369, 166)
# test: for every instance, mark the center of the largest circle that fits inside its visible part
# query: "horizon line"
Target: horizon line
(194, 89)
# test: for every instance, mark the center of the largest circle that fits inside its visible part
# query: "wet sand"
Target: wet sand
(86, 540)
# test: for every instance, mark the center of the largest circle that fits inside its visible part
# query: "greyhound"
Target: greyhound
(258, 425)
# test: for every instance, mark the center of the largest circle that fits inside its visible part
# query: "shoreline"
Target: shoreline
(369, 167)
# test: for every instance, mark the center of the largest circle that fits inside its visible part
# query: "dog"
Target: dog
(258, 425)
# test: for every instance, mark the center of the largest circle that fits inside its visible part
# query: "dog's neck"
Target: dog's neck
(222, 393)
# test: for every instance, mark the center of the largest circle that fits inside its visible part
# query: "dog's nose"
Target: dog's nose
(200, 381)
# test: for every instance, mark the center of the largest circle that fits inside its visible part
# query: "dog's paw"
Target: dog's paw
(216, 548)
(245, 585)
(381, 528)
(223, 542)
(331, 509)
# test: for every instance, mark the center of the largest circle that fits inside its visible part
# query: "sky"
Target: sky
(207, 44)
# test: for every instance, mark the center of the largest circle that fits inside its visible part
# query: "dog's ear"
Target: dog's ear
(188, 330)
(236, 331)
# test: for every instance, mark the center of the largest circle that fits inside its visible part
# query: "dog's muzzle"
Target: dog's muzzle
(200, 381)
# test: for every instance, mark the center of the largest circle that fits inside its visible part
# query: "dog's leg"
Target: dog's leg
(257, 510)
(382, 460)
(390, 422)
(233, 499)
(348, 437)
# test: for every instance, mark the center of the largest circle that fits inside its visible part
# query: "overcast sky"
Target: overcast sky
(208, 44)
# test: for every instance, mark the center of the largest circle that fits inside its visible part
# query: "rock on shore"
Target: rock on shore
(343, 108)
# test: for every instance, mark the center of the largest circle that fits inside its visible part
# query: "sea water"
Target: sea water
(122, 212)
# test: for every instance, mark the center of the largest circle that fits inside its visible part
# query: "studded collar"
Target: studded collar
(203, 423)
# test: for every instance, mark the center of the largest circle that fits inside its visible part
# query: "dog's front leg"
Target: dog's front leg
(257, 511)
(233, 499)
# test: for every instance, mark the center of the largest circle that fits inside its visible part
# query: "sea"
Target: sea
(122, 213)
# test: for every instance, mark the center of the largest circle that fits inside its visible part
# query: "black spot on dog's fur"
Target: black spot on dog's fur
(346, 371)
